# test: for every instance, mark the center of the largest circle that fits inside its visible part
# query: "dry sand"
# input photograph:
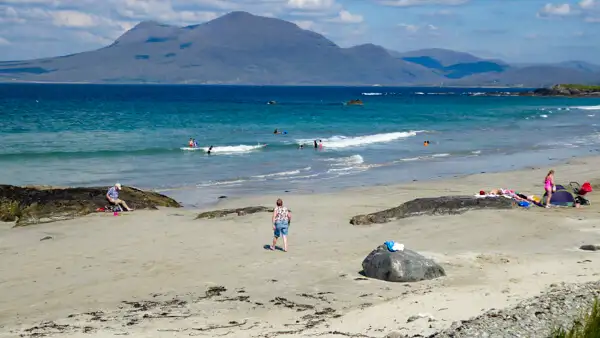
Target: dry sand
(163, 262)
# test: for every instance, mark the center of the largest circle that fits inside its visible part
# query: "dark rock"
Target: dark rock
(221, 197)
(31, 205)
(446, 205)
(46, 238)
(238, 211)
(590, 247)
(400, 266)
(355, 102)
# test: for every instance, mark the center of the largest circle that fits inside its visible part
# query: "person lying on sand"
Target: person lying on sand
(113, 196)
(512, 194)
(281, 221)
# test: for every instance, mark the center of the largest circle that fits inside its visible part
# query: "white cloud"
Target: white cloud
(74, 19)
(305, 24)
(587, 4)
(311, 4)
(555, 10)
(426, 29)
(346, 17)
(409, 3)
(409, 28)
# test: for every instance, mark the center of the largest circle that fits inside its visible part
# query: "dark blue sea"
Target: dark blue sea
(89, 135)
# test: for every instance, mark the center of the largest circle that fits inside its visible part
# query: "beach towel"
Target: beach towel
(393, 246)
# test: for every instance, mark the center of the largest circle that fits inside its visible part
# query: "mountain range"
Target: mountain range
(241, 48)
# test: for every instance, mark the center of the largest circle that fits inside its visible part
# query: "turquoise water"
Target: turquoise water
(98, 134)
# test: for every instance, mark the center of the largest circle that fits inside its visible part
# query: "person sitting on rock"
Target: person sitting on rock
(113, 197)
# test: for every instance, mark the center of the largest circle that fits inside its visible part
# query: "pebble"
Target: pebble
(533, 317)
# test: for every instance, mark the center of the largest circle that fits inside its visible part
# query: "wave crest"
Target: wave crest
(587, 107)
(336, 142)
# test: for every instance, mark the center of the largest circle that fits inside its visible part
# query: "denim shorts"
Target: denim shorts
(281, 228)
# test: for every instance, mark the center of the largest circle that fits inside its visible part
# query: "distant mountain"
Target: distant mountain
(451, 64)
(531, 76)
(444, 57)
(580, 65)
(237, 48)
(241, 48)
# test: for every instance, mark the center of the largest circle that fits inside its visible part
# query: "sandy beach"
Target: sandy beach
(164, 274)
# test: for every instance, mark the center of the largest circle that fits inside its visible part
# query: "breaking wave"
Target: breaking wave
(337, 142)
(587, 107)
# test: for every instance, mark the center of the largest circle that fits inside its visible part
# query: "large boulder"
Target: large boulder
(445, 205)
(30, 205)
(400, 266)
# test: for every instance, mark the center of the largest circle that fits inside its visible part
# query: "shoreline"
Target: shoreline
(180, 192)
(167, 262)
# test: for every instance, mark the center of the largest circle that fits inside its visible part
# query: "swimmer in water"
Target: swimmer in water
(301, 146)
(316, 145)
(209, 149)
(320, 144)
(191, 142)
(195, 144)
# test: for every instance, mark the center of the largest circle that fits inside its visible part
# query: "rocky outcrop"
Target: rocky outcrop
(30, 205)
(355, 102)
(400, 266)
(239, 211)
(556, 90)
(445, 205)
(568, 90)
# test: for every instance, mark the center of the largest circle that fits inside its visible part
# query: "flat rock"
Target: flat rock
(238, 211)
(400, 266)
(31, 205)
(445, 205)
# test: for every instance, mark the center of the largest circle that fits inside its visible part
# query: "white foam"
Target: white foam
(283, 173)
(350, 160)
(587, 107)
(592, 115)
(235, 149)
(410, 159)
(304, 176)
(372, 94)
(420, 158)
(336, 142)
(544, 116)
(217, 183)
(476, 152)
(335, 170)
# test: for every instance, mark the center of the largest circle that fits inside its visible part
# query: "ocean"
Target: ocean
(94, 135)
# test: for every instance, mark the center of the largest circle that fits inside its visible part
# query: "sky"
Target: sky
(512, 30)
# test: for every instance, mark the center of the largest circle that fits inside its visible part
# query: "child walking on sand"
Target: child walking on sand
(549, 187)
(280, 221)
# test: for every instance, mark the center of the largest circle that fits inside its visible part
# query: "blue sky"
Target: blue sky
(513, 30)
